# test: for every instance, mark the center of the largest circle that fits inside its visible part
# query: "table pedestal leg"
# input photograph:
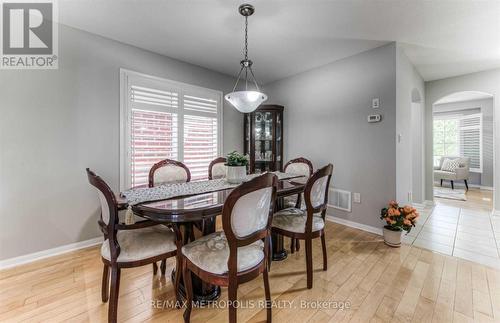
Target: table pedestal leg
(279, 252)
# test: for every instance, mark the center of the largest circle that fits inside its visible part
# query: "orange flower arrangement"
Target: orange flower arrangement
(399, 218)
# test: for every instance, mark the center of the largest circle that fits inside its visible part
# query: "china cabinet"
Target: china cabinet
(264, 138)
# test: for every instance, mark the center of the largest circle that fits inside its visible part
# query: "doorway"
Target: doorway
(462, 144)
(463, 150)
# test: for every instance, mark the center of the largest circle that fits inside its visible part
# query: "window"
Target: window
(459, 135)
(165, 119)
(446, 138)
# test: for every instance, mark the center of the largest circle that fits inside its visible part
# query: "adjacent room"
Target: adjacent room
(225, 161)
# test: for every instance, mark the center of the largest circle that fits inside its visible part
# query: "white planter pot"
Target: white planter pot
(392, 238)
(236, 174)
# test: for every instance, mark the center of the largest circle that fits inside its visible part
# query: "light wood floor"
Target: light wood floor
(380, 283)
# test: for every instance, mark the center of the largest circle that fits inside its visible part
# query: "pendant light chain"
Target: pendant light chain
(246, 52)
(246, 38)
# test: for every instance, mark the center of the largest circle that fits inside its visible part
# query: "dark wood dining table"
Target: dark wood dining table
(204, 208)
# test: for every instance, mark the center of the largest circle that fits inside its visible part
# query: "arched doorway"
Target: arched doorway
(462, 127)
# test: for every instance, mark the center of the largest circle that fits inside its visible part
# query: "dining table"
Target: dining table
(192, 206)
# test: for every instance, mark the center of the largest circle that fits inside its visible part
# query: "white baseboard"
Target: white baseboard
(21, 260)
(355, 225)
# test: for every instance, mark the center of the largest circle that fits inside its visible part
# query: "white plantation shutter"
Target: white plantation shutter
(471, 145)
(165, 119)
(201, 136)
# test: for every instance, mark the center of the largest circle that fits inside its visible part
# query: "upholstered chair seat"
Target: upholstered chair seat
(144, 243)
(294, 220)
(211, 253)
(442, 174)
(291, 201)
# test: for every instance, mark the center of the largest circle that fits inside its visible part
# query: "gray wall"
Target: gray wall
(54, 123)
(409, 130)
(470, 107)
(325, 120)
(488, 82)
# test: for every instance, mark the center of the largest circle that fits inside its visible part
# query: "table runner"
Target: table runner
(166, 191)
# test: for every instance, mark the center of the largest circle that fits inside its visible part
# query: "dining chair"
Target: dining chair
(240, 252)
(170, 171)
(127, 246)
(309, 224)
(217, 168)
(298, 166)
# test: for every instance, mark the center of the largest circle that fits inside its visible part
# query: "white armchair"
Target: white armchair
(461, 173)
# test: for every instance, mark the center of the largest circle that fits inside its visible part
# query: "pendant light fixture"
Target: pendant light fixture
(246, 100)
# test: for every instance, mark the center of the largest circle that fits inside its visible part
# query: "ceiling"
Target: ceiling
(441, 38)
(464, 96)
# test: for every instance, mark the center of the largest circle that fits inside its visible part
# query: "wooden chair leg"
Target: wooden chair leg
(163, 267)
(188, 285)
(113, 299)
(232, 298)
(268, 296)
(292, 245)
(323, 246)
(155, 268)
(297, 244)
(105, 284)
(309, 264)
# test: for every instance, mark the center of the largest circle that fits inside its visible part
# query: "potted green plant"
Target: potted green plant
(397, 219)
(236, 167)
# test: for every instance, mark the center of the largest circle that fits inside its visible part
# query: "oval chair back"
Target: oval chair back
(316, 194)
(217, 168)
(247, 214)
(299, 166)
(108, 220)
(168, 171)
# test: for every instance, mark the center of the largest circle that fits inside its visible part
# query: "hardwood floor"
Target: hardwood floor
(379, 283)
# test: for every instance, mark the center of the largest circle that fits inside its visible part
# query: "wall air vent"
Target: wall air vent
(339, 199)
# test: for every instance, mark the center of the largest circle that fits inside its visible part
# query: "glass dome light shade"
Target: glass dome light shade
(246, 101)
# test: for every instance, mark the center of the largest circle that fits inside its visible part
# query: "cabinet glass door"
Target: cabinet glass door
(279, 145)
(264, 141)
